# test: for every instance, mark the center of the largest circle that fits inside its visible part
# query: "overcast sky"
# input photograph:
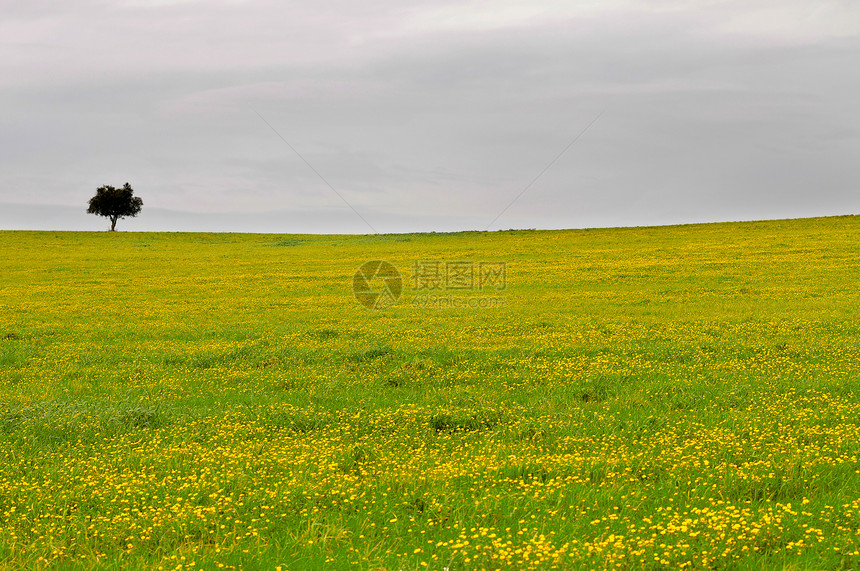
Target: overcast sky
(428, 115)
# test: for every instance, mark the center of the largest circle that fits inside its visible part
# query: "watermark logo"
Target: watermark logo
(377, 284)
(435, 284)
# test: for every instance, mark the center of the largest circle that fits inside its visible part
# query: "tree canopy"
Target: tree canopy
(115, 203)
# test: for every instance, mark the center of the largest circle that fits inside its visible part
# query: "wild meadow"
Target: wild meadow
(681, 397)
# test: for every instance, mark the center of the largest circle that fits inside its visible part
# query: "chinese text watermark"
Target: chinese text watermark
(378, 284)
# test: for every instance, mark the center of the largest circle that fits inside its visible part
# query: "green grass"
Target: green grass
(648, 398)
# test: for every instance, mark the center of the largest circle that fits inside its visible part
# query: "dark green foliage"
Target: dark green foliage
(115, 203)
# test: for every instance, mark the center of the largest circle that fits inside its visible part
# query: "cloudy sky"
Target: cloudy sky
(428, 115)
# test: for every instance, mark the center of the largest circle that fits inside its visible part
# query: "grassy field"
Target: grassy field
(656, 398)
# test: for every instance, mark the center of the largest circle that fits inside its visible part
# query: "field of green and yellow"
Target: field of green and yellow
(644, 398)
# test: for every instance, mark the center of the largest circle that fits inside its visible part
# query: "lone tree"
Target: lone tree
(115, 203)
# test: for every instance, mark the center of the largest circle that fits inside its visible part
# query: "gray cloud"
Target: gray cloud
(429, 115)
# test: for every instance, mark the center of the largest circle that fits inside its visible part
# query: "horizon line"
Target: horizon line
(475, 231)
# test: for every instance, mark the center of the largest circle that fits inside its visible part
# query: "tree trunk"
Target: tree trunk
(113, 223)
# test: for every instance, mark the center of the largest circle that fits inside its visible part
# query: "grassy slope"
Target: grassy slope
(646, 397)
